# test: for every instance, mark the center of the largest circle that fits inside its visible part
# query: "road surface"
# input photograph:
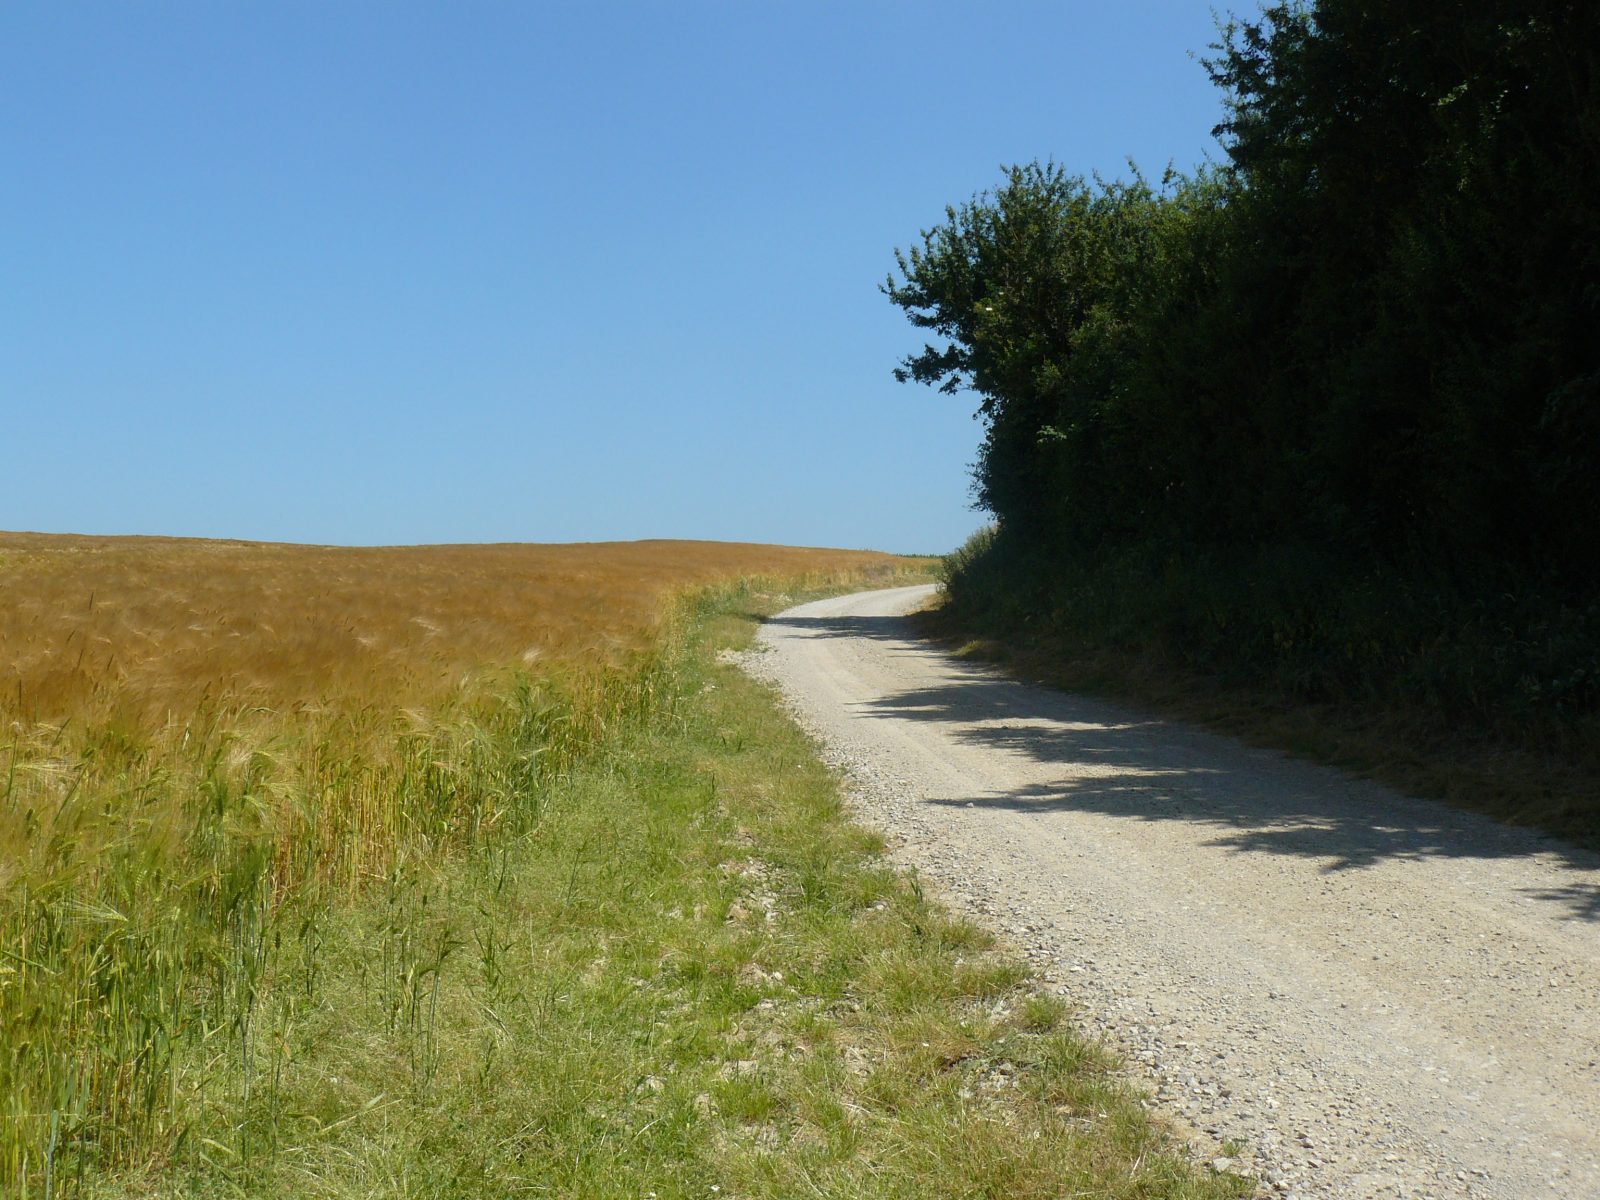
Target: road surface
(1345, 991)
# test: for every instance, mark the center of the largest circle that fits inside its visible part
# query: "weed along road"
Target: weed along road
(1345, 991)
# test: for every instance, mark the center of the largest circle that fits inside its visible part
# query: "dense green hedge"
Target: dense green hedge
(1331, 409)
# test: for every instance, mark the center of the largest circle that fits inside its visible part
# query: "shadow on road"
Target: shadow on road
(1123, 764)
(883, 629)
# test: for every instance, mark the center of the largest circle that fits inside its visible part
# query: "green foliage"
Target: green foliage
(1039, 288)
(1425, 179)
(1329, 412)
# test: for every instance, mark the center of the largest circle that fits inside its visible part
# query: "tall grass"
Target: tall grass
(166, 872)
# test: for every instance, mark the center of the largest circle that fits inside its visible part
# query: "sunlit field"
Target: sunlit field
(207, 746)
(144, 631)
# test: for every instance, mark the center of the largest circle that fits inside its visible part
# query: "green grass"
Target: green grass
(686, 975)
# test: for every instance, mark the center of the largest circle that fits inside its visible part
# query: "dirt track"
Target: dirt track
(1376, 996)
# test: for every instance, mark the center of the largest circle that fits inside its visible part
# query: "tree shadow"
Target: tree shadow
(882, 629)
(1117, 762)
(1582, 900)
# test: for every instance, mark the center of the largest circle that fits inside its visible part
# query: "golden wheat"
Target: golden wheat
(198, 738)
(147, 628)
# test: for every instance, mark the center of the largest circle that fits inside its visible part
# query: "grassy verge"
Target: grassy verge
(1489, 712)
(685, 975)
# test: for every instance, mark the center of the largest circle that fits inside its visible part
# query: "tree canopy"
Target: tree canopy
(1375, 327)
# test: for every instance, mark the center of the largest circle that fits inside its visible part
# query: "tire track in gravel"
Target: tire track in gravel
(1374, 995)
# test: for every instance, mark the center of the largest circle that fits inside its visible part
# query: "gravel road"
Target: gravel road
(1342, 990)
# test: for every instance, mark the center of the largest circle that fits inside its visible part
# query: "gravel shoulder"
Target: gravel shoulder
(1346, 991)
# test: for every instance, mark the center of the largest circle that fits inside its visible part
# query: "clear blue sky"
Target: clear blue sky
(378, 273)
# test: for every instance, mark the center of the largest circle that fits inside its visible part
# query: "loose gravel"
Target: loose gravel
(1345, 992)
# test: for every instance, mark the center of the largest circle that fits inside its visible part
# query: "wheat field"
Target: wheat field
(203, 744)
(145, 630)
